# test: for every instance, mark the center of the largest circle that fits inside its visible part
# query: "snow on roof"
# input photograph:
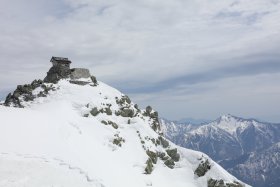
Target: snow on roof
(60, 59)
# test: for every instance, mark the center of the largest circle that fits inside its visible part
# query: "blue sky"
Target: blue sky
(196, 58)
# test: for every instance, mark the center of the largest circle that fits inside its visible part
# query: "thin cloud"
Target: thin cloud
(142, 46)
(263, 64)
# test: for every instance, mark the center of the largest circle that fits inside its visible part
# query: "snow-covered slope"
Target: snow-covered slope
(233, 142)
(92, 135)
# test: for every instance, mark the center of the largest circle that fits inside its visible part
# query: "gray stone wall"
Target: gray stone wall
(77, 73)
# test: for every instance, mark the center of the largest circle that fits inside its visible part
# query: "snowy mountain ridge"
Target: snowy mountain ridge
(82, 132)
(235, 143)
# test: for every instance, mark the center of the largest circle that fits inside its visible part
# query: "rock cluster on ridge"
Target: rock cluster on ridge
(59, 70)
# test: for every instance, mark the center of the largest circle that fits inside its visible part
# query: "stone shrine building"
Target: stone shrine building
(61, 70)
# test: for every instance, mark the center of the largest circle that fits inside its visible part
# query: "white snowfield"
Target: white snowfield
(50, 143)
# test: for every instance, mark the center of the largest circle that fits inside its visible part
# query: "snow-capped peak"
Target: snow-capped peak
(227, 117)
(231, 123)
(245, 147)
(95, 135)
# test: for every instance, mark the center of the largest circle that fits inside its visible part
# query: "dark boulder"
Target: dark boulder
(202, 168)
(104, 122)
(125, 112)
(118, 140)
(94, 111)
(136, 107)
(220, 183)
(162, 156)
(163, 142)
(155, 126)
(108, 111)
(149, 167)
(149, 109)
(124, 100)
(173, 154)
(94, 81)
(154, 115)
(170, 163)
(113, 124)
(152, 155)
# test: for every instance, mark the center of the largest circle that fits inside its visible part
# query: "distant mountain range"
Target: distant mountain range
(193, 121)
(247, 148)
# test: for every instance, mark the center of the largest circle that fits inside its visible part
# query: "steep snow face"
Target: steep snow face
(235, 143)
(92, 136)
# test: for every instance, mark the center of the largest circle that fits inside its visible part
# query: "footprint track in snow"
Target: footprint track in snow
(58, 162)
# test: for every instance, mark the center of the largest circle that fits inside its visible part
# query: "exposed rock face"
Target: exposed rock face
(125, 112)
(149, 167)
(149, 109)
(93, 79)
(154, 115)
(57, 72)
(24, 93)
(152, 155)
(173, 154)
(77, 73)
(169, 163)
(163, 142)
(220, 183)
(202, 168)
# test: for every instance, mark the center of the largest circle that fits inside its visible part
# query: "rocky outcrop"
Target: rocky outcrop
(162, 156)
(56, 73)
(173, 154)
(94, 111)
(118, 140)
(78, 73)
(125, 112)
(123, 100)
(94, 80)
(152, 155)
(220, 183)
(24, 93)
(163, 142)
(149, 167)
(202, 168)
(170, 163)
(154, 116)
